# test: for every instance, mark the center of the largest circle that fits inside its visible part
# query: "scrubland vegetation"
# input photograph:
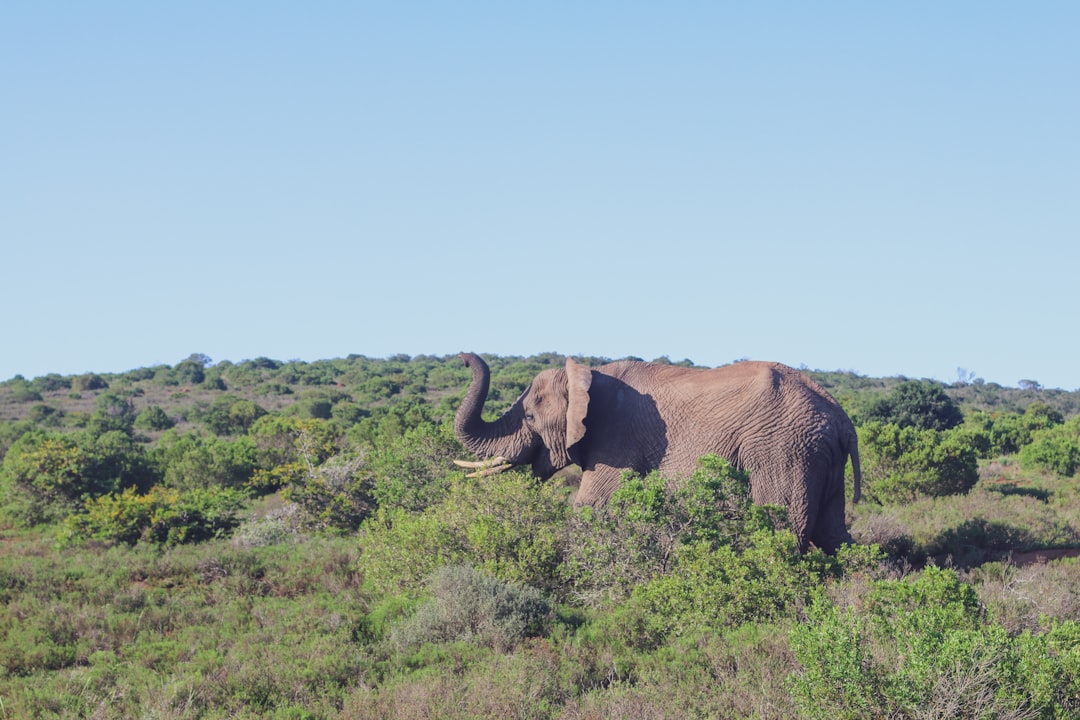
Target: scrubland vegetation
(291, 540)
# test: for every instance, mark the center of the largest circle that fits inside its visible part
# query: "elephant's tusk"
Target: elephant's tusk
(497, 460)
(490, 471)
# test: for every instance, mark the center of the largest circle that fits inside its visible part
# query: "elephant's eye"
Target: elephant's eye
(529, 417)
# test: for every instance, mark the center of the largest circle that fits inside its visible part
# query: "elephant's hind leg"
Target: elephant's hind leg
(830, 532)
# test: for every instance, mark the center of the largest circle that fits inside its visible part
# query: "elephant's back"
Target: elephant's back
(748, 383)
(753, 413)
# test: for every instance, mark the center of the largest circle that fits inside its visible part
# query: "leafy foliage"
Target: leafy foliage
(161, 516)
(716, 587)
(506, 525)
(197, 461)
(45, 476)
(902, 463)
(336, 494)
(920, 404)
(637, 536)
(1006, 433)
(153, 418)
(923, 645)
(467, 605)
(1055, 448)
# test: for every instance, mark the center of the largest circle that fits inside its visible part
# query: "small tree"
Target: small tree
(336, 494)
(153, 418)
(44, 477)
(638, 534)
(919, 404)
(87, 382)
(902, 463)
(190, 371)
(195, 461)
(163, 516)
(114, 412)
(471, 606)
(1056, 448)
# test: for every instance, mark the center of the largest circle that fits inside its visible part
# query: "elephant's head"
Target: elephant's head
(541, 428)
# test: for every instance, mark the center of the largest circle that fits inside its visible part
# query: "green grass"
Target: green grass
(289, 630)
(198, 631)
(1010, 510)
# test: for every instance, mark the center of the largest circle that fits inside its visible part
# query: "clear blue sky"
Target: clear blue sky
(889, 188)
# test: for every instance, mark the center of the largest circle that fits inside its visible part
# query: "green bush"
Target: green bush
(614, 548)
(337, 491)
(923, 646)
(1055, 448)
(44, 477)
(24, 392)
(468, 605)
(229, 415)
(193, 460)
(163, 515)
(153, 418)
(115, 412)
(507, 525)
(10, 432)
(997, 434)
(53, 382)
(900, 464)
(336, 495)
(287, 447)
(117, 460)
(921, 404)
(191, 371)
(87, 382)
(716, 587)
(412, 471)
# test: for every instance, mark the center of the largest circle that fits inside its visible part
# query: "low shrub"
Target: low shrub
(153, 418)
(507, 525)
(1055, 448)
(163, 516)
(718, 587)
(923, 646)
(636, 536)
(44, 477)
(901, 464)
(919, 404)
(1028, 598)
(280, 525)
(335, 495)
(968, 529)
(468, 605)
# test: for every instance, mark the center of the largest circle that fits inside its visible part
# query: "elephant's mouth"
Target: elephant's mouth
(491, 466)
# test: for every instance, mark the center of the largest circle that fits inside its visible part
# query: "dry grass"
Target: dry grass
(1029, 597)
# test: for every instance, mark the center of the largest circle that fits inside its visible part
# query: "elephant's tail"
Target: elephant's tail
(852, 448)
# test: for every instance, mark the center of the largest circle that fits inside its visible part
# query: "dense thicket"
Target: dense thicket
(291, 539)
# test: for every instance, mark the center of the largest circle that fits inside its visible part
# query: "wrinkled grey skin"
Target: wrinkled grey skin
(791, 436)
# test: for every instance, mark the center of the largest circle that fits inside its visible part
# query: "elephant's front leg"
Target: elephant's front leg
(598, 483)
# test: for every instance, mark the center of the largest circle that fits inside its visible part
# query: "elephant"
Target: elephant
(767, 419)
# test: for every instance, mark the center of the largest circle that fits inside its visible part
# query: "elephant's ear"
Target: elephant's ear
(578, 380)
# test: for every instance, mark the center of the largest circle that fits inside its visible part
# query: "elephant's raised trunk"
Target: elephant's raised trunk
(507, 437)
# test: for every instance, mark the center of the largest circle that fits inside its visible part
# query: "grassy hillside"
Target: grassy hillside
(291, 540)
